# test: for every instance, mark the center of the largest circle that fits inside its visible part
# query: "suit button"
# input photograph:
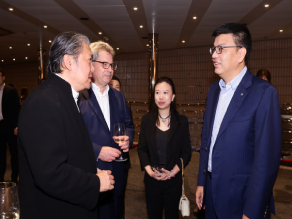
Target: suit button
(204, 171)
(206, 149)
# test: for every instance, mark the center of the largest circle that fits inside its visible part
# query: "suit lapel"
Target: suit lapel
(152, 135)
(173, 126)
(213, 112)
(236, 101)
(92, 101)
(112, 102)
(4, 96)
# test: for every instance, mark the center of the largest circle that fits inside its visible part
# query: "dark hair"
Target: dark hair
(264, 72)
(2, 72)
(241, 36)
(116, 79)
(154, 108)
(70, 43)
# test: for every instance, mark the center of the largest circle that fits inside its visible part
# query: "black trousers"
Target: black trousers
(7, 136)
(163, 195)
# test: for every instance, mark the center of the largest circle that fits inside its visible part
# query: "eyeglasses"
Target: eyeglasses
(106, 65)
(219, 49)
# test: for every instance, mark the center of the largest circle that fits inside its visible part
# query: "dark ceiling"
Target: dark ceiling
(22, 22)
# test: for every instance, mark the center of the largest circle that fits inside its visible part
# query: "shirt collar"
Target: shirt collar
(2, 88)
(75, 94)
(234, 83)
(96, 89)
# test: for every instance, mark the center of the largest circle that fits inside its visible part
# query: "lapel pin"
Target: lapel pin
(241, 94)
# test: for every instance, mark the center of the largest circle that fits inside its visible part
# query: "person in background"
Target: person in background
(264, 74)
(242, 134)
(23, 94)
(101, 107)
(58, 175)
(116, 84)
(164, 139)
(9, 111)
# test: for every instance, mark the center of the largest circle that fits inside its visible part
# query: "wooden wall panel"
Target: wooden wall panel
(190, 68)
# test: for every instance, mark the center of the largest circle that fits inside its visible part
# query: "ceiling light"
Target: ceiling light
(99, 33)
(281, 31)
(194, 18)
(28, 44)
(118, 48)
(266, 6)
(183, 41)
(13, 59)
(26, 58)
(2, 60)
(45, 26)
(141, 26)
(10, 47)
(10, 9)
(50, 41)
(135, 8)
(147, 45)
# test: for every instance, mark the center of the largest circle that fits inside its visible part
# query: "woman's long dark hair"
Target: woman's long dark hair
(154, 108)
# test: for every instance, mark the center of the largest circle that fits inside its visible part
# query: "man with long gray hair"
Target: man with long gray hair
(58, 175)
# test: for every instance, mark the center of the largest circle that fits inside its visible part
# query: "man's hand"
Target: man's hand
(244, 217)
(108, 154)
(124, 146)
(106, 180)
(16, 131)
(199, 196)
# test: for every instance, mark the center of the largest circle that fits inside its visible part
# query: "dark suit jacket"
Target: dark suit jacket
(100, 133)
(178, 143)
(247, 151)
(56, 158)
(10, 107)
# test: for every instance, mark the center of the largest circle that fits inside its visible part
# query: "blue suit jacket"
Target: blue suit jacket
(99, 132)
(247, 151)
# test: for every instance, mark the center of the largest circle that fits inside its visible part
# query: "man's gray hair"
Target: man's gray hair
(70, 43)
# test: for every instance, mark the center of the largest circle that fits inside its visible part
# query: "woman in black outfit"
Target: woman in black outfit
(164, 139)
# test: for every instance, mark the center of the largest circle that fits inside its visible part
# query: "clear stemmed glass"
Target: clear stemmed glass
(119, 134)
(9, 206)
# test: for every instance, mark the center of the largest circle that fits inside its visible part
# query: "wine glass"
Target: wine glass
(119, 134)
(9, 206)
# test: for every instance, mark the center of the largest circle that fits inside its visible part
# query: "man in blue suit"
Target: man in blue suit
(102, 107)
(241, 139)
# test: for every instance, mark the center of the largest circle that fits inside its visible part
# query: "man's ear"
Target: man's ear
(67, 62)
(242, 54)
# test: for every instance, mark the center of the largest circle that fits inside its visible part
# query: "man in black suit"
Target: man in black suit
(9, 110)
(58, 175)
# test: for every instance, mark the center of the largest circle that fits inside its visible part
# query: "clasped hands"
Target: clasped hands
(109, 154)
(161, 175)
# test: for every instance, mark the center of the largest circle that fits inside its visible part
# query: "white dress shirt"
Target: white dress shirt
(103, 101)
(1, 95)
(226, 94)
(75, 94)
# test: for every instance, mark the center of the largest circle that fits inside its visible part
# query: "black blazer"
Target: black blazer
(178, 144)
(10, 107)
(56, 159)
